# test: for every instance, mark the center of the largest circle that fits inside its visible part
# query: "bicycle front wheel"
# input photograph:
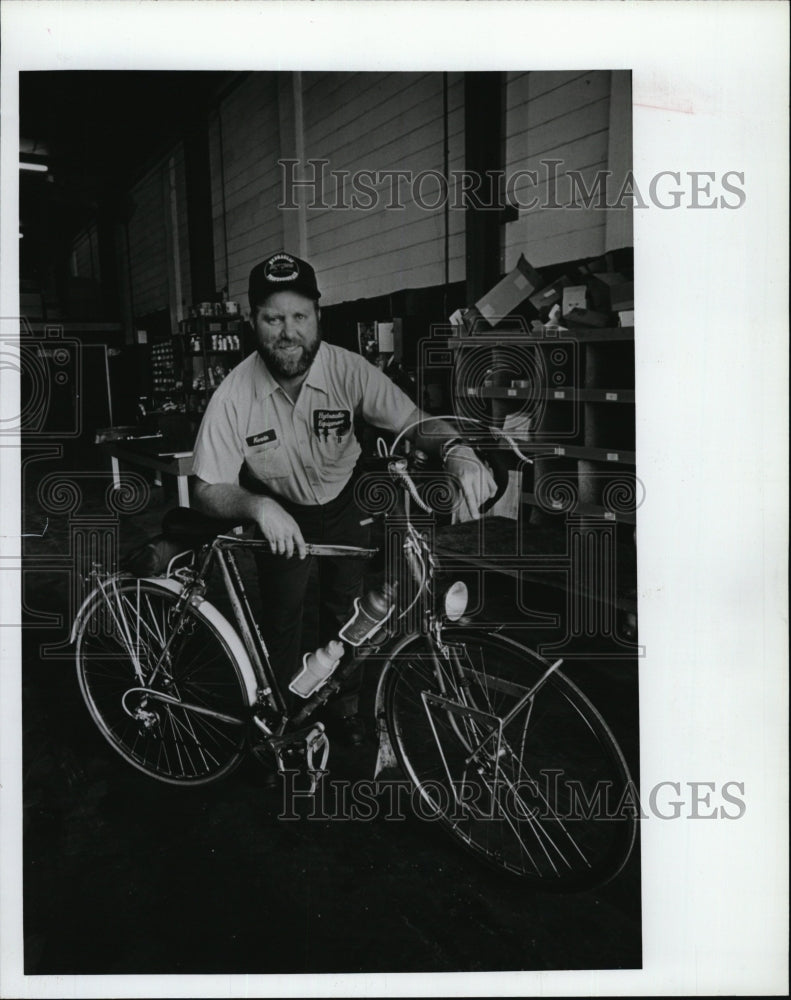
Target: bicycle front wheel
(171, 703)
(533, 783)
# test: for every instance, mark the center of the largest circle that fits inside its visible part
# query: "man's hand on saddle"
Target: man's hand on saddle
(474, 479)
(280, 530)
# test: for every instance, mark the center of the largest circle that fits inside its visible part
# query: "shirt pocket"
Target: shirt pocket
(268, 460)
(338, 458)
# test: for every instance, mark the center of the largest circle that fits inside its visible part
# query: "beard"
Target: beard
(286, 359)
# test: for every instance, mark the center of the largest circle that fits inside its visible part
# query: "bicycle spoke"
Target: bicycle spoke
(122, 640)
(500, 747)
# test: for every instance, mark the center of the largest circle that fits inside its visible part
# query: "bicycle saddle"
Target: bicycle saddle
(187, 525)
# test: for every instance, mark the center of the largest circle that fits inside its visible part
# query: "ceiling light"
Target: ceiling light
(40, 167)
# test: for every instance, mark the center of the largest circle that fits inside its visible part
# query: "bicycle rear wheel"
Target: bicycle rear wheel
(544, 794)
(187, 725)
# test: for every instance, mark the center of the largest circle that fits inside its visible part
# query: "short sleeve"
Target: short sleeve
(218, 455)
(383, 404)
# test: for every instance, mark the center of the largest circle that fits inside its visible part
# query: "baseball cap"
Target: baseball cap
(282, 272)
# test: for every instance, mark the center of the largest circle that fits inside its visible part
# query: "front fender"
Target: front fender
(205, 610)
(385, 757)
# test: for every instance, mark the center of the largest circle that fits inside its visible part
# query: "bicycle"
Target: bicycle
(503, 749)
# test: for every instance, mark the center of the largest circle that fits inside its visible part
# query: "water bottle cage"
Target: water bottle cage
(362, 625)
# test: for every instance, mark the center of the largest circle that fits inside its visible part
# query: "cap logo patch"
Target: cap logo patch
(281, 267)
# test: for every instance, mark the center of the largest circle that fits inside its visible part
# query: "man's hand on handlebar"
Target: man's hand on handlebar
(474, 478)
(280, 529)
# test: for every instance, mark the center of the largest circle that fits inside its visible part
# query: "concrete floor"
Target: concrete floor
(124, 875)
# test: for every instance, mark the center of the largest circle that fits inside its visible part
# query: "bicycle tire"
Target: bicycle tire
(180, 746)
(553, 803)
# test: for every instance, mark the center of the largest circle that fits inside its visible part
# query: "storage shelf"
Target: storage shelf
(553, 395)
(535, 448)
(583, 510)
(593, 369)
(203, 324)
(614, 456)
(582, 334)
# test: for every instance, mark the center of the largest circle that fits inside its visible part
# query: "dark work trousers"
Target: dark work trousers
(283, 583)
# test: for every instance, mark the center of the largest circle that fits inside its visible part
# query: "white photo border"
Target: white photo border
(710, 92)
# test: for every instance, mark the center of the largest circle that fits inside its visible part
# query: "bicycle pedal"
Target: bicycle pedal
(308, 747)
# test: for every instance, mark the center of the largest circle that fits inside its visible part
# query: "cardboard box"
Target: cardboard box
(377, 338)
(622, 297)
(390, 338)
(586, 317)
(604, 287)
(466, 322)
(574, 297)
(507, 294)
(547, 297)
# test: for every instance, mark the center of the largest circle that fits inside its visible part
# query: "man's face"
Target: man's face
(287, 333)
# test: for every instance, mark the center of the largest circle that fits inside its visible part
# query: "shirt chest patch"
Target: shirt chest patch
(331, 425)
(263, 437)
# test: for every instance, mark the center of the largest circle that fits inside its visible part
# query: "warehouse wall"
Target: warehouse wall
(356, 121)
(379, 122)
(375, 122)
(148, 265)
(244, 149)
(158, 238)
(182, 225)
(584, 121)
(85, 255)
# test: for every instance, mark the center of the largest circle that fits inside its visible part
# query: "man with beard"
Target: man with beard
(277, 447)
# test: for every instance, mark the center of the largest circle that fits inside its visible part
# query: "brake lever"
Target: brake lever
(398, 468)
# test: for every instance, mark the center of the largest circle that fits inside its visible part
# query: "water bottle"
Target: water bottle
(317, 668)
(419, 460)
(370, 613)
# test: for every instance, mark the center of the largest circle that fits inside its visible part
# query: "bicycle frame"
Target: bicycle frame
(269, 710)
(221, 552)
(441, 702)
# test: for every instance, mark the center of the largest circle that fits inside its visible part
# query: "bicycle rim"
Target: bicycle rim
(547, 796)
(120, 642)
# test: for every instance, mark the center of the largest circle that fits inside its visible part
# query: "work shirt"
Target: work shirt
(304, 451)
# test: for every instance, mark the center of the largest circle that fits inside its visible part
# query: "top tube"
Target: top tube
(233, 542)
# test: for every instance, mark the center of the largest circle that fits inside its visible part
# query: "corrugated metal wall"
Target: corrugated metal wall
(158, 233)
(356, 121)
(148, 265)
(85, 255)
(244, 150)
(182, 225)
(552, 116)
(379, 122)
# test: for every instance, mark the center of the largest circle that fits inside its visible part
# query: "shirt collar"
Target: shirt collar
(266, 385)
(317, 373)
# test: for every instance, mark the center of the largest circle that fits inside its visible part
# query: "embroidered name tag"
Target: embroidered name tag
(262, 438)
(333, 423)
